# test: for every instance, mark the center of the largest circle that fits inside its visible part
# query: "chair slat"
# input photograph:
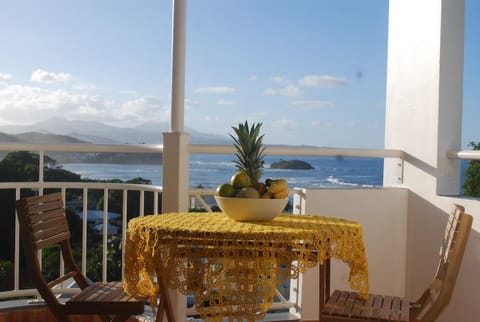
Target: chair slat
(47, 224)
(386, 309)
(347, 308)
(367, 307)
(45, 216)
(45, 207)
(339, 304)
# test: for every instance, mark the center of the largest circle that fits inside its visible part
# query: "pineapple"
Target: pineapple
(250, 152)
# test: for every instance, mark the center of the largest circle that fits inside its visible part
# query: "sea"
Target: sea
(208, 171)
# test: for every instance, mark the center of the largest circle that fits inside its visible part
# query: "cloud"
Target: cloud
(43, 76)
(289, 91)
(224, 102)
(144, 109)
(29, 103)
(312, 105)
(279, 80)
(285, 125)
(323, 124)
(322, 81)
(5, 78)
(190, 103)
(216, 90)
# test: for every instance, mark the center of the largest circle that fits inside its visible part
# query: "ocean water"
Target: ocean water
(209, 171)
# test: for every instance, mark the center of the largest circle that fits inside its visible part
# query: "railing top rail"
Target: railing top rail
(302, 151)
(464, 155)
(203, 148)
(79, 185)
(83, 147)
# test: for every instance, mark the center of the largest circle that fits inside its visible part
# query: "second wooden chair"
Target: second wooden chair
(346, 306)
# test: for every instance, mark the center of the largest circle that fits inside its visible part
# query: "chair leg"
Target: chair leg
(324, 284)
(161, 311)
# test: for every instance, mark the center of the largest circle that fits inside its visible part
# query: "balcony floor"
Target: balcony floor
(23, 311)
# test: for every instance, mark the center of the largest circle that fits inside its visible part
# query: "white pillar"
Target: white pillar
(175, 144)
(424, 92)
(423, 118)
(178, 64)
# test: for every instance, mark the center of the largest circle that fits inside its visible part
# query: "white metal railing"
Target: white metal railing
(84, 187)
(464, 155)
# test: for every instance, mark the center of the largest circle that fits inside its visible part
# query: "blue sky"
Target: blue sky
(312, 71)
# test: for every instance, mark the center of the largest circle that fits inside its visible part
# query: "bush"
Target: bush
(471, 186)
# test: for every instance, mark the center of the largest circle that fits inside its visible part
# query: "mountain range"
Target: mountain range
(60, 130)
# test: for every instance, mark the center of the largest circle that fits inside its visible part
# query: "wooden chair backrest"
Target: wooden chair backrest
(43, 223)
(439, 293)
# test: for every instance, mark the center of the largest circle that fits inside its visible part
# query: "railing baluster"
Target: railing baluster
(84, 230)
(141, 211)
(16, 264)
(105, 235)
(124, 227)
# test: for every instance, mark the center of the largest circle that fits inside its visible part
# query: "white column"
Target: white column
(424, 92)
(175, 143)
(423, 118)
(178, 64)
(175, 172)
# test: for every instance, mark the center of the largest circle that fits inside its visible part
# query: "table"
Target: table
(232, 268)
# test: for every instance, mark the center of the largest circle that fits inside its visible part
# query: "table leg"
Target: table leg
(165, 303)
(324, 285)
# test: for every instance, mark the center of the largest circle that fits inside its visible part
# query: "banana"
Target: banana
(281, 194)
(277, 185)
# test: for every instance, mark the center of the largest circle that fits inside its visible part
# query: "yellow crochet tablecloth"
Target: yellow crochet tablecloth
(232, 268)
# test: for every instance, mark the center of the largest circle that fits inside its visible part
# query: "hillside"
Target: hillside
(97, 132)
(45, 138)
(62, 131)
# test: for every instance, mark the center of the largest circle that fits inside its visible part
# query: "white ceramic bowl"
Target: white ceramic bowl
(251, 209)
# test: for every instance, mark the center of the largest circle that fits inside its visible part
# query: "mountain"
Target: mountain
(97, 132)
(39, 138)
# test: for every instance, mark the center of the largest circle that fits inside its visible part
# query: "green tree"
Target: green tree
(471, 186)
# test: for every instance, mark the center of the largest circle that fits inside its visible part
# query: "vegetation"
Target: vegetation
(471, 185)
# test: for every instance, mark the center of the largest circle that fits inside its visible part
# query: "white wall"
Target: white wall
(423, 118)
(382, 213)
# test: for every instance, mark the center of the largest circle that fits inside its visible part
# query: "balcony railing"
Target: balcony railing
(197, 195)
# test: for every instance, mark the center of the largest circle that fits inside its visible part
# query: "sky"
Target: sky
(312, 71)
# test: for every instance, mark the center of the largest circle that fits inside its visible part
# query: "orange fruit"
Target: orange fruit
(226, 190)
(240, 180)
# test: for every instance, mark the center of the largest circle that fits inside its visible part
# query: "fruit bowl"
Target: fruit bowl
(251, 209)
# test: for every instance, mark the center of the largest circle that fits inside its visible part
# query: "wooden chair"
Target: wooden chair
(43, 223)
(346, 306)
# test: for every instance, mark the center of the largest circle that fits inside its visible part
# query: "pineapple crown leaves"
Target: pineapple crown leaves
(249, 149)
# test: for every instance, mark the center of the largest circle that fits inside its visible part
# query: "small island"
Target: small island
(291, 164)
